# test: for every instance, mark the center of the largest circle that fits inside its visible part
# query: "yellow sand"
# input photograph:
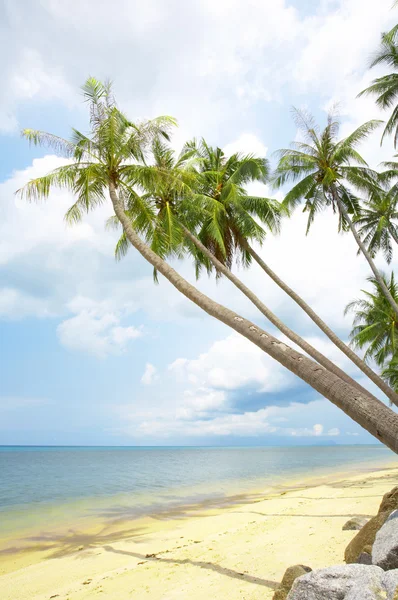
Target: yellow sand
(230, 553)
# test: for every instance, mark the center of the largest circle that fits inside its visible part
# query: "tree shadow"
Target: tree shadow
(74, 541)
(198, 563)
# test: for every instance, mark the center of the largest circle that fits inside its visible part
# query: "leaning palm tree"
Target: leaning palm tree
(226, 202)
(109, 163)
(385, 88)
(324, 171)
(184, 214)
(376, 221)
(375, 323)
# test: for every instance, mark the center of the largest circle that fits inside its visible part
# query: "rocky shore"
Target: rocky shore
(371, 569)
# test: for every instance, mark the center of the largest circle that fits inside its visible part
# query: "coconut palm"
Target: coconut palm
(375, 323)
(183, 215)
(324, 171)
(216, 173)
(390, 373)
(110, 161)
(232, 215)
(385, 88)
(375, 222)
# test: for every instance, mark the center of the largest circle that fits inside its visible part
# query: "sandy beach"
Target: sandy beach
(238, 551)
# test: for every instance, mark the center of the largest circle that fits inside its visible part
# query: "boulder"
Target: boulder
(355, 524)
(390, 501)
(339, 583)
(365, 537)
(288, 579)
(385, 546)
(390, 582)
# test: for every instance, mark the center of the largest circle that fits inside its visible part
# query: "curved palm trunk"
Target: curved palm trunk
(381, 384)
(294, 337)
(365, 409)
(366, 254)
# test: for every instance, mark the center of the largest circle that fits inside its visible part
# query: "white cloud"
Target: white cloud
(233, 363)
(335, 431)
(150, 374)
(246, 143)
(96, 331)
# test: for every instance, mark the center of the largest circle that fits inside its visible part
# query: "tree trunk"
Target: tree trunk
(366, 254)
(294, 337)
(381, 384)
(365, 409)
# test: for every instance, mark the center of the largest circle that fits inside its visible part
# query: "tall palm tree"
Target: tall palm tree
(385, 88)
(323, 172)
(375, 222)
(182, 212)
(216, 174)
(105, 162)
(375, 325)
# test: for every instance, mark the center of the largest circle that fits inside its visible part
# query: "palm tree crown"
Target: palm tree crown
(323, 168)
(114, 152)
(375, 221)
(232, 215)
(386, 88)
(375, 323)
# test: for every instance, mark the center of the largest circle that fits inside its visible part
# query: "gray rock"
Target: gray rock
(355, 524)
(364, 559)
(390, 582)
(385, 546)
(335, 583)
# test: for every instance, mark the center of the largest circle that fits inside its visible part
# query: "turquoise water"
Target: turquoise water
(39, 486)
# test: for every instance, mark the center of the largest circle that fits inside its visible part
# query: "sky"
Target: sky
(92, 352)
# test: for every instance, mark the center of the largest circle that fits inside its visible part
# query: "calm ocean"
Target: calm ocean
(41, 486)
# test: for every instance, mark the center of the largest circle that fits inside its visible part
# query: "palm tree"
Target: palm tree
(390, 373)
(181, 212)
(322, 167)
(375, 324)
(386, 87)
(375, 221)
(110, 161)
(226, 222)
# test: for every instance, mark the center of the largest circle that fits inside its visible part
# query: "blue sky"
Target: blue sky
(91, 351)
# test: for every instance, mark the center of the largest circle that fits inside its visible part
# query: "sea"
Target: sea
(48, 489)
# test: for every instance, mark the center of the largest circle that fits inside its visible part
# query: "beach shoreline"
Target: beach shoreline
(238, 548)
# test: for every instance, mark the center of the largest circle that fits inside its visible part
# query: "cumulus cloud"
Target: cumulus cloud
(95, 330)
(150, 374)
(231, 364)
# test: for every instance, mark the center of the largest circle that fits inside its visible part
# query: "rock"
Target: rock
(355, 524)
(339, 583)
(390, 501)
(365, 558)
(390, 581)
(385, 546)
(288, 579)
(365, 537)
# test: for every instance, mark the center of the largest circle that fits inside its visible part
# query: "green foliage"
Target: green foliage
(322, 170)
(231, 216)
(375, 221)
(114, 152)
(385, 88)
(375, 322)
